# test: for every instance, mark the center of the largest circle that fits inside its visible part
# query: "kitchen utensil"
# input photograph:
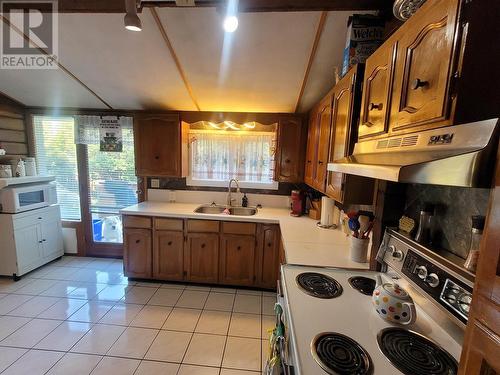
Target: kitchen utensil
(393, 303)
(354, 226)
(364, 222)
(366, 233)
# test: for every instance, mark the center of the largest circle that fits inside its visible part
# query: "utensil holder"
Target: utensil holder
(359, 249)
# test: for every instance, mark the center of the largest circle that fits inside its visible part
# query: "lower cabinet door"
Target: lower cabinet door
(267, 257)
(168, 255)
(201, 256)
(137, 253)
(52, 238)
(28, 248)
(237, 260)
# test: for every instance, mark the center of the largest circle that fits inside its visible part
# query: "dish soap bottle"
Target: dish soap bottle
(475, 242)
(244, 200)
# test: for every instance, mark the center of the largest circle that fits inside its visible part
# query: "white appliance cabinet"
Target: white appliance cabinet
(29, 240)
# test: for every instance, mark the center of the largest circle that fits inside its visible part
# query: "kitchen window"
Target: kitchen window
(56, 156)
(220, 152)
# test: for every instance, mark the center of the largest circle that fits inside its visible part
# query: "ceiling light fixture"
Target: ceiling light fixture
(131, 19)
(230, 23)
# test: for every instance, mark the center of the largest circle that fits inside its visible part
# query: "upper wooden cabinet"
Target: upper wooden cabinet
(311, 151)
(377, 89)
(433, 71)
(345, 188)
(323, 115)
(423, 66)
(160, 145)
(290, 150)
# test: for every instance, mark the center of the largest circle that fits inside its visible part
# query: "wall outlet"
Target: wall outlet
(155, 183)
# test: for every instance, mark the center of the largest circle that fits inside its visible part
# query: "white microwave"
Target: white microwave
(20, 198)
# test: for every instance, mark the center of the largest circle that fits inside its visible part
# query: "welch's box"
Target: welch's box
(364, 35)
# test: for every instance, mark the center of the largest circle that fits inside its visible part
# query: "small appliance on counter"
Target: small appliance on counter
(298, 204)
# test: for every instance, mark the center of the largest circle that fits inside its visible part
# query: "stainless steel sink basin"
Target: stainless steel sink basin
(210, 209)
(216, 209)
(243, 211)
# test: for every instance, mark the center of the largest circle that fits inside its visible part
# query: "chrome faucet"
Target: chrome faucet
(229, 199)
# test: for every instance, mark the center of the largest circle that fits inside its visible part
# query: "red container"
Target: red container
(298, 205)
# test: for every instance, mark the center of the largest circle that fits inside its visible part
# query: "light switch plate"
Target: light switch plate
(155, 183)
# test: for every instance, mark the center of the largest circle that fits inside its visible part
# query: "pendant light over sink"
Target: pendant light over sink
(131, 19)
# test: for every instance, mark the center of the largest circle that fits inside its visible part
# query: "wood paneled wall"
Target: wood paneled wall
(13, 134)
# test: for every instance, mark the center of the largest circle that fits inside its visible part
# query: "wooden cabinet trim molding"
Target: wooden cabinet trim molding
(169, 224)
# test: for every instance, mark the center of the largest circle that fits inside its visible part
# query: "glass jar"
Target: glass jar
(475, 242)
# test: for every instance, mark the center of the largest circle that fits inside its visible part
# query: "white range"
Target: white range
(353, 315)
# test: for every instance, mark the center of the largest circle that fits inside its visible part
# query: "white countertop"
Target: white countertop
(303, 241)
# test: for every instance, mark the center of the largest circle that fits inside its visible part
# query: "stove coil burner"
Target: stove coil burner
(362, 284)
(319, 285)
(412, 353)
(339, 354)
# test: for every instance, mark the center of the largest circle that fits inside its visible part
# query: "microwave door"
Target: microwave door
(31, 198)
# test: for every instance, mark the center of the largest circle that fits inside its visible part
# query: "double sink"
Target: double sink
(219, 209)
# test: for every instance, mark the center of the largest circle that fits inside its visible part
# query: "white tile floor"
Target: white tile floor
(83, 316)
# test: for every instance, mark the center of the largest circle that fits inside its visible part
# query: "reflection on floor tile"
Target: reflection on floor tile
(82, 316)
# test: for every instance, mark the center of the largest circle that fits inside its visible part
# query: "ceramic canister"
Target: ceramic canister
(5, 171)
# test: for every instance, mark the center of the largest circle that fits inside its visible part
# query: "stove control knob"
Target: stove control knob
(432, 280)
(421, 272)
(396, 254)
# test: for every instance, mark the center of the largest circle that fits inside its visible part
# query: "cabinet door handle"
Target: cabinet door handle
(40, 241)
(39, 218)
(417, 83)
(269, 244)
(287, 161)
(169, 243)
(44, 240)
(308, 161)
(320, 162)
(238, 248)
(202, 245)
(137, 241)
(157, 157)
(373, 106)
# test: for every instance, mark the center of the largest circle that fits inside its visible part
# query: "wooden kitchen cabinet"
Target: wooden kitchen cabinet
(267, 260)
(312, 146)
(323, 116)
(168, 255)
(345, 188)
(423, 67)
(201, 257)
(160, 145)
(237, 260)
(377, 91)
(137, 253)
(290, 151)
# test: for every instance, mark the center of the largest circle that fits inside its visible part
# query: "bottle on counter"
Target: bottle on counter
(475, 242)
(244, 200)
(423, 235)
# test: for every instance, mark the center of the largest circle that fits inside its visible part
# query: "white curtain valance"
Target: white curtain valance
(87, 127)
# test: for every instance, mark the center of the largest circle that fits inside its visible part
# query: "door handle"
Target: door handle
(202, 245)
(169, 243)
(417, 83)
(373, 106)
(137, 241)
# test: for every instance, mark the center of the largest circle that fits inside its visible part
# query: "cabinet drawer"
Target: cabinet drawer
(136, 222)
(203, 226)
(169, 224)
(229, 227)
(41, 215)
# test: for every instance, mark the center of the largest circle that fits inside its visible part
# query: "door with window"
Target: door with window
(92, 185)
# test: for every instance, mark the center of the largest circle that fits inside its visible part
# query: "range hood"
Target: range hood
(460, 155)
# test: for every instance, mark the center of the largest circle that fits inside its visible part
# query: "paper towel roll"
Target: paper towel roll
(328, 212)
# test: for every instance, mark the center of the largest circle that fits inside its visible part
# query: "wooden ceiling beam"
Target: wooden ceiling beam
(177, 62)
(118, 6)
(312, 55)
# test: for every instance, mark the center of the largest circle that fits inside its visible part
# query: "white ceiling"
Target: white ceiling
(263, 71)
